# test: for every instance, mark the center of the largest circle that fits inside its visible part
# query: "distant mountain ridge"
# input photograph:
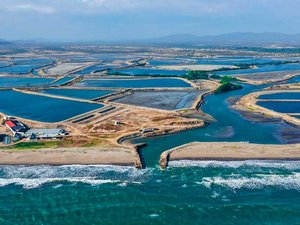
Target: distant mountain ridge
(231, 39)
(3, 41)
(239, 39)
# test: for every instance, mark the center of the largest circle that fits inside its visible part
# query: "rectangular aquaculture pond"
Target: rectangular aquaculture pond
(284, 95)
(282, 107)
(136, 83)
(23, 82)
(40, 108)
(149, 72)
(77, 93)
(167, 100)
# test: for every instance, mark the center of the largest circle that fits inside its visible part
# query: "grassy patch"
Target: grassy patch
(35, 145)
(67, 143)
(225, 79)
(227, 86)
(196, 75)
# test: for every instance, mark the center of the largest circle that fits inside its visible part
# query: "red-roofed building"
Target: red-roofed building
(16, 126)
(10, 124)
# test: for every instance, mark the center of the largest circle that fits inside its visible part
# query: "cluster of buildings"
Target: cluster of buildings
(21, 131)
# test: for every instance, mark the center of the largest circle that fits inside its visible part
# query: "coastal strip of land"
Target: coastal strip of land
(249, 103)
(230, 151)
(70, 156)
(267, 77)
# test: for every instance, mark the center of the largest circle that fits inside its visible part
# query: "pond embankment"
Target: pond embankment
(249, 103)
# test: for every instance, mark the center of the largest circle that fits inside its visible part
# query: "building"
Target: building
(16, 127)
(5, 139)
(34, 134)
(147, 130)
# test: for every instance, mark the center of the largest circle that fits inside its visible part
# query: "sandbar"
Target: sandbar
(230, 151)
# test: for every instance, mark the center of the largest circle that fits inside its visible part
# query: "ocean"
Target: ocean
(242, 192)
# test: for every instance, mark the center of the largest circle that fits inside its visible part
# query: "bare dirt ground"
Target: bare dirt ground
(61, 156)
(131, 120)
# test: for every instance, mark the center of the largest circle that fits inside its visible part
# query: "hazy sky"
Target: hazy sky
(137, 19)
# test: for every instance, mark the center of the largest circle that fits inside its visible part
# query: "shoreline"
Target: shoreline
(230, 151)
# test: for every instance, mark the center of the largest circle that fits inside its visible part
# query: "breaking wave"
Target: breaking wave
(35, 176)
(288, 182)
(289, 165)
(37, 182)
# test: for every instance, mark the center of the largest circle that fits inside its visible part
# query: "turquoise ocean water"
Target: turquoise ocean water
(251, 192)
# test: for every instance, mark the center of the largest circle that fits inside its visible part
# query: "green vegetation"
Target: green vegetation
(66, 143)
(214, 76)
(118, 73)
(35, 145)
(226, 79)
(227, 86)
(196, 74)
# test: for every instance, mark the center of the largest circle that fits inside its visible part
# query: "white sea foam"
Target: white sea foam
(154, 215)
(35, 176)
(287, 182)
(290, 165)
(66, 171)
(35, 183)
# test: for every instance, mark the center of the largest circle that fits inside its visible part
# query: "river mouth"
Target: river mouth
(230, 126)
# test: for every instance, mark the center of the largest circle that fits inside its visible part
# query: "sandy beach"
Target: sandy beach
(230, 151)
(69, 156)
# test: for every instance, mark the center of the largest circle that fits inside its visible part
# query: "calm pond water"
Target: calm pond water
(236, 60)
(19, 69)
(41, 108)
(62, 81)
(17, 82)
(149, 71)
(283, 107)
(75, 93)
(261, 69)
(24, 66)
(134, 83)
(287, 95)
